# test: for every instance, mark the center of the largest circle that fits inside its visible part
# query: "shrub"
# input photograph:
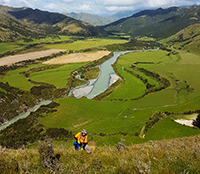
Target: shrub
(197, 121)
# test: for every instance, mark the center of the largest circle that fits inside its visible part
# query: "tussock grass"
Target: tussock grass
(181, 155)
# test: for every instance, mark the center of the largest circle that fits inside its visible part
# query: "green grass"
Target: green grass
(186, 39)
(58, 76)
(132, 88)
(4, 47)
(97, 117)
(14, 78)
(85, 44)
(10, 46)
(167, 128)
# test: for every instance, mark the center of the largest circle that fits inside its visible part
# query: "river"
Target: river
(106, 78)
(103, 81)
(24, 115)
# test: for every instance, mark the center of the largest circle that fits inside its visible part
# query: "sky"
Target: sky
(99, 7)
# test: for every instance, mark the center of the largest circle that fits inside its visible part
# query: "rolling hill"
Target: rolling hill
(91, 19)
(17, 23)
(159, 23)
(12, 29)
(187, 39)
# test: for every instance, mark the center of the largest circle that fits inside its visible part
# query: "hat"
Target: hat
(84, 131)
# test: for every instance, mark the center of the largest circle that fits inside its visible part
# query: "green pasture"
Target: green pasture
(167, 128)
(86, 44)
(17, 79)
(180, 73)
(97, 117)
(10, 46)
(57, 76)
(131, 89)
(4, 47)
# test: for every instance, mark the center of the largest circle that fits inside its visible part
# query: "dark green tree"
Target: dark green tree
(197, 121)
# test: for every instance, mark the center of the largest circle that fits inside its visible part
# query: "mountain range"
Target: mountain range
(187, 39)
(159, 23)
(17, 23)
(92, 19)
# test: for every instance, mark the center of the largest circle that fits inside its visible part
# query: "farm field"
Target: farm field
(4, 47)
(57, 76)
(115, 119)
(86, 44)
(78, 57)
(9, 60)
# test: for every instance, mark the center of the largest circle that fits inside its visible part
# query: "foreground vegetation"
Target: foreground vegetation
(170, 157)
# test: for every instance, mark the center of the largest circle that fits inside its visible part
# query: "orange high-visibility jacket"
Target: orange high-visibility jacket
(83, 139)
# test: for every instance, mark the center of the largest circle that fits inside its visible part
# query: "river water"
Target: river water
(24, 115)
(106, 78)
(106, 70)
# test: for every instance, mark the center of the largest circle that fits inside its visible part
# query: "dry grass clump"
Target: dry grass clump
(181, 155)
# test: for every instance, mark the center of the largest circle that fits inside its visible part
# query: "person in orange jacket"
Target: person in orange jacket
(82, 141)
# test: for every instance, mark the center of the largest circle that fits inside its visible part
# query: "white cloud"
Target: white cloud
(119, 8)
(96, 6)
(120, 2)
(4, 1)
(84, 7)
(51, 6)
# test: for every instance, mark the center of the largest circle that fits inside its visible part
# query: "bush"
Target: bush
(47, 157)
(197, 121)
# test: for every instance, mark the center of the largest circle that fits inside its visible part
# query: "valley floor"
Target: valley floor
(9, 60)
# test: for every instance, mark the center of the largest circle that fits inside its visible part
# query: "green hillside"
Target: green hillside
(17, 23)
(160, 23)
(12, 29)
(187, 39)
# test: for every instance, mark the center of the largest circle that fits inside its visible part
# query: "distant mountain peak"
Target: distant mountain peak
(159, 11)
(158, 23)
(91, 18)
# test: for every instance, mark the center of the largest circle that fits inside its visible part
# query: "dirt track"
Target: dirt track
(9, 60)
(78, 57)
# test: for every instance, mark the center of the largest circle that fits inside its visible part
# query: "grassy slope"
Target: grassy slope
(85, 44)
(10, 46)
(186, 39)
(169, 157)
(173, 129)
